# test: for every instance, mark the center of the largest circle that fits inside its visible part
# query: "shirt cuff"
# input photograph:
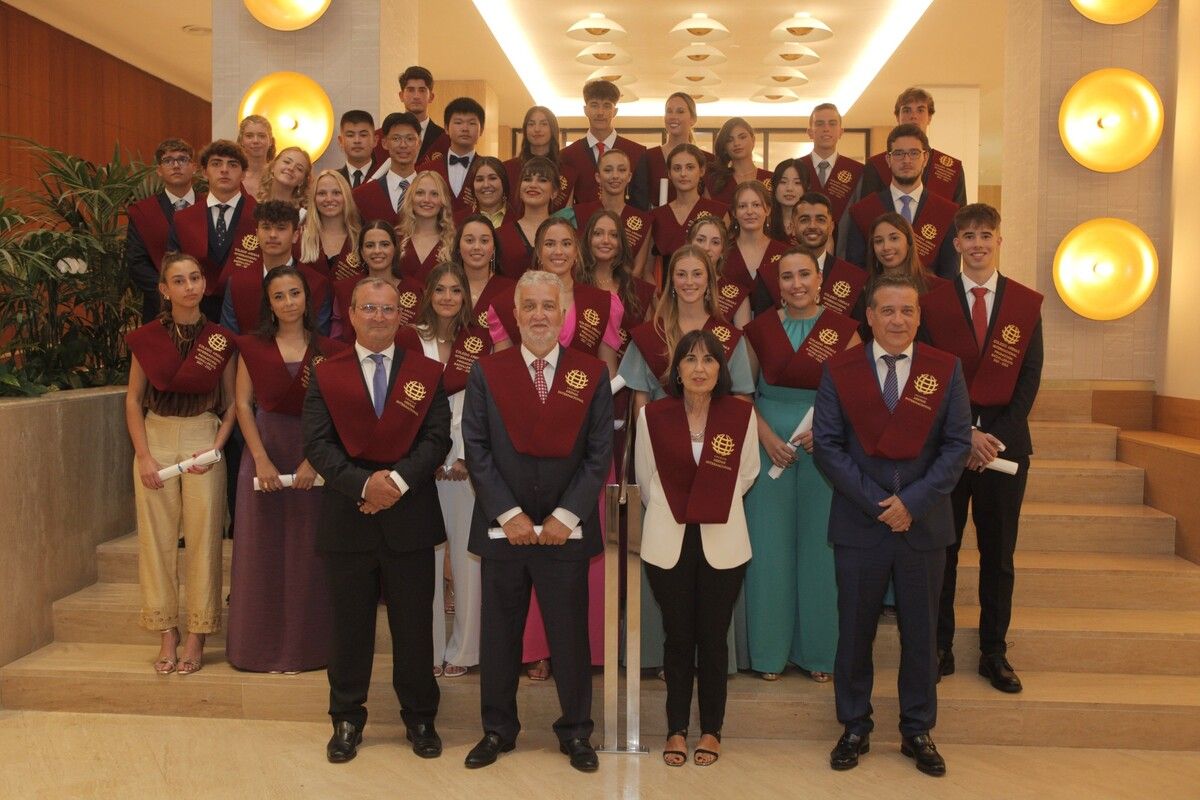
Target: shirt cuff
(566, 518)
(400, 482)
(504, 518)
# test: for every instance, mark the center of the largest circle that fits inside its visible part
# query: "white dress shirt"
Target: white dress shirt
(232, 202)
(457, 450)
(903, 366)
(189, 198)
(457, 173)
(816, 162)
(825, 258)
(393, 184)
(561, 514)
(368, 372)
(609, 143)
(915, 193)
(989, 299)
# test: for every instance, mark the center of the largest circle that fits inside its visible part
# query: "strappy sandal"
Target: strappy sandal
(676, 758)
(165, 665)
(453, 670)
(770, 676)
(707, 762)
(190, 666)
(820, 677)
(438, 671)
(539, 670)
(448, 594)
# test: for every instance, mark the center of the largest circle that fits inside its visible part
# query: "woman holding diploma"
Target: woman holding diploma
(696, 454)
(180, 404)
(279, 617)
(446, 332)
(679, 119)
(791, 594)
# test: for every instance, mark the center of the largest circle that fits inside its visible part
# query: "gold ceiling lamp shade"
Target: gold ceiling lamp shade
(791, 54)
(698, 53)
(695, 76)
(784, 76)
(700, 26)
(774, 95)
(614, 74)
(801, 27)
(1111, 119)
(298, 108)
(287, 15)
(1105, 268)
(602, 54)
(595, 27)
(1113, 12)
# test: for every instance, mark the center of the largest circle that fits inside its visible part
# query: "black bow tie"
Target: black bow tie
(464, 160)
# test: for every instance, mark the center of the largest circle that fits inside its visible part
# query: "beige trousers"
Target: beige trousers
(191, 506)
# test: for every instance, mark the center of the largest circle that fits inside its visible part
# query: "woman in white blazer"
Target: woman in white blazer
(696, 454)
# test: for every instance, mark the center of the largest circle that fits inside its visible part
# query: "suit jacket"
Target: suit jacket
(435, 138)
(1009, 423)
(853, 242)
(505, 479)
(367, 172)
(877, 176)
(193, 232)
(725, 545)
(458, 202)
(415, 521)
(374, 201)
(580, 159)
(859, 479)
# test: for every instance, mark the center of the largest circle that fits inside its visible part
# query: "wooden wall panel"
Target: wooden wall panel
(1171, 464)
(60, 91)
(1177, 415)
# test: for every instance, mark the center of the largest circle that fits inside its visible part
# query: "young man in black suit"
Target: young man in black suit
(416, 93)
(357, 138)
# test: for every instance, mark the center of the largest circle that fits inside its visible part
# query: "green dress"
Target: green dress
(639, 377)
(791, 591)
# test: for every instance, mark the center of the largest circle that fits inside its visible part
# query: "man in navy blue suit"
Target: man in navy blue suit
(892, 433)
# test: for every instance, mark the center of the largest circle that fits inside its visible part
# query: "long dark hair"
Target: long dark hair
(723, 167)
(913, 267)
(710, 343)
(268, 324)
(390, 230)
(555, 136)
(427, 317)
(456, 251)
(496, 166)
(776, 228)
(622, 266)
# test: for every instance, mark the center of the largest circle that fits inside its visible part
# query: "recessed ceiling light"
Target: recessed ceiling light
(700, 26)
(801, 28)
(699, 53)
(595, 27)
(792, 55)
(197, 30)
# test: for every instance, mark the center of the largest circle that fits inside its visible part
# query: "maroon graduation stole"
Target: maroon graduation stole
(345, 264)
(636, 222)
(386, 439)
(246, 291)
(942, 175)
(504, 304)
(725, 195)
(653, 347)
(799, 368)
(698, 493)
(275, 389)
(632, 317)
(410, 297)
(840, 183)
(930, 226)
(468, 346)
(669, 235)
(414, 267)
(577, 159)
(374, 202)
(550, 429)
(900, 434)
(191, 232)
(730, 295)
(991, 375)
(593, 307)
(153, 226)
(491, 290)
(198, 372)
(841, 285)
(514, 255)
(737, 271)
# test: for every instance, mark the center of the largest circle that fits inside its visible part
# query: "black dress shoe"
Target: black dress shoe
(921, 749)
(343, 745)
(425, 740)
(581, 753)
(847, 750)
(487, 751)
(999, 673)
(945, 663)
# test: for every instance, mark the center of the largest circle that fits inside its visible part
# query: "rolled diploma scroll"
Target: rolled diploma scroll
(617, 384)
(804, 427)
(202, 460)
(288, 480)
(498, 533)
(1002, 465)
(662, 191)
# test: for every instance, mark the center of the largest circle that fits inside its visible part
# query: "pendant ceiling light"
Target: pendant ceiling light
(801, 28)
(595, 28)
(700, 26)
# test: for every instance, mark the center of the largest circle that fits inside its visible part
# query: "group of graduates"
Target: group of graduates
(422, 368)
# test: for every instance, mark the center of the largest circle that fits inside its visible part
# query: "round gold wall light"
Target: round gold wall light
(287, 15)
(1113, 12)
(1111, 119)
(298, 108)
(1105, 268)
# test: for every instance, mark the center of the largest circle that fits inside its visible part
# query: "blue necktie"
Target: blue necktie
(379, 383)
(891, 396)
(220, 228)
(906, 207)
(403, 189)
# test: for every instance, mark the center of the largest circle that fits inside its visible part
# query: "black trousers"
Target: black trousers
(697, 605)
(356, 581)
(862, 579)
(995, 505)
(562, 589)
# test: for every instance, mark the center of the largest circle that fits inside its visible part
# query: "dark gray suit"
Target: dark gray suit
(505, 479)
(867, 554)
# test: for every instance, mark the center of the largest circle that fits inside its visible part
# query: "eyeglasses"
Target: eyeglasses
(176, 161)
(911, 155)
(399, 138)
(373, 310)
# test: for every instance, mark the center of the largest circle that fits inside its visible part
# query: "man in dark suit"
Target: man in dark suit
(537, 426)
(931, 215)
(376, 428)
(357, 138)
(600, 99)
(416, 93)
(379, 198)
(993, 324)
(891, 432)
(943, 174)
(150, 220)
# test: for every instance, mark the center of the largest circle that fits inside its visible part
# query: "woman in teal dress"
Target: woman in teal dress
(688, 303)
(791, 593)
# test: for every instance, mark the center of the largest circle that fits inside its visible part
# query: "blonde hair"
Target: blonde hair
(310, 235)
(666, 313)
(258, 119)
(406, 221)
(299, 196)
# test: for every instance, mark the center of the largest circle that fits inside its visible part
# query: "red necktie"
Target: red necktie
(539, 378)
(600, 148)
(979, 316)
